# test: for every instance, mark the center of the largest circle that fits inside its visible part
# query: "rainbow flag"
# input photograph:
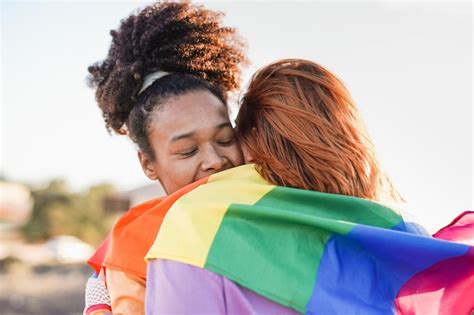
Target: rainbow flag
(315, 252)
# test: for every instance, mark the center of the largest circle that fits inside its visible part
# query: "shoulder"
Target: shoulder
(133, 235)
(177, 288)
(191, 275)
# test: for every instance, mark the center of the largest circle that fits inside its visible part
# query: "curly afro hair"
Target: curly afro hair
(183, 39)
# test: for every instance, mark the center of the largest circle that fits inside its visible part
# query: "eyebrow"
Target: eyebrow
(192, 133)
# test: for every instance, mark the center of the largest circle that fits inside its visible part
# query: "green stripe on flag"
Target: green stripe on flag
(251, 249)
(332, 206)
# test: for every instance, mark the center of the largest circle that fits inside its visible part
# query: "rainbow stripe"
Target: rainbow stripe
(317, 253)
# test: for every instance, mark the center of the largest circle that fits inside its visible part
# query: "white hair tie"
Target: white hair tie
(150, 78)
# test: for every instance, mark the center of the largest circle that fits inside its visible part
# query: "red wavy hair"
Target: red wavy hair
(303, 130)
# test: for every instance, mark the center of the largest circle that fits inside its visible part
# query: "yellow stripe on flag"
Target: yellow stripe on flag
(189, 228)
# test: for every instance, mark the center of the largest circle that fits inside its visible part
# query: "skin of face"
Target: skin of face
(248, 158)
(192, 138)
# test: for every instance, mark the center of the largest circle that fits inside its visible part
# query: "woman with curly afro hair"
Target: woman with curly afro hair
(164, 83)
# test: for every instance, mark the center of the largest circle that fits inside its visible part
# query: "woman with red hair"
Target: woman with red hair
(304, 228)
(300, 126)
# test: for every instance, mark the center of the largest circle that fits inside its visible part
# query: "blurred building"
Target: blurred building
(16, 204)
(123, 201)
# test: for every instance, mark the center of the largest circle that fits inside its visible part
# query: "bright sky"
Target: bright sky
(407, 65)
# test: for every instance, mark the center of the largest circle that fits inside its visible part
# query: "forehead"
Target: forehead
(191, 112)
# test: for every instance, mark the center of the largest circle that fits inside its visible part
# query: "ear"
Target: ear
(148, 166)
(248, 158)
(254, 132)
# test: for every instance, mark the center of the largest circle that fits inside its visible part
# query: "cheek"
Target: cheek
(178, 174)
(235, 156)
(175, 173)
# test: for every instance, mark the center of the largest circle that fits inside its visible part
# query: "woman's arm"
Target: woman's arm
(97, 299)
(127, 292)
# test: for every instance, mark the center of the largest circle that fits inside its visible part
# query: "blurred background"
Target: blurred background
(64, 180)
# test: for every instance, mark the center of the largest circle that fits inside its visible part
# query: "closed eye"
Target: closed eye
(188, 153)
(226, 143)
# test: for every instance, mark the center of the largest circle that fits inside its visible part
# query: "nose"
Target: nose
(213, 160)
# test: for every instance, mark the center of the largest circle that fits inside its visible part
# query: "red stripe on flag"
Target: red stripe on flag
(461, 230)
(132, 236)
(444, 288)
